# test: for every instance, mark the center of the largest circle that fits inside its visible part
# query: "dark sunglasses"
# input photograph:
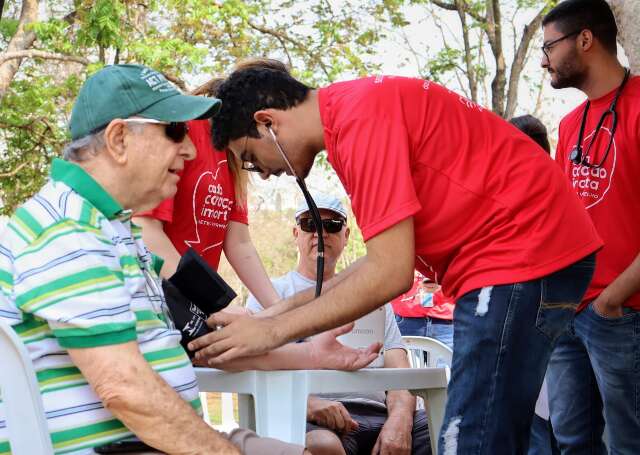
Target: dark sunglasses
(176, 131)
(332, 225)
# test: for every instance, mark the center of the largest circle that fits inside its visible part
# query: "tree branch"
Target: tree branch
(494, 35)
(43, 55)
(284, 37)
(15, 171)
(23, 39)
(461, 5)
(176, 80)
(468, 60)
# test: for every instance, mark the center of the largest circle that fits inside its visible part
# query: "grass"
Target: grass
(215, 407)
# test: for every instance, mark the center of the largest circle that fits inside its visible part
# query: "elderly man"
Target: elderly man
(350, 423)
(82, 291)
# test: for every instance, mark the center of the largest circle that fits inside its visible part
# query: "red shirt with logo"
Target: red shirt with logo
(489, 207)
(410, 305)
(199, 213)
(610, 193)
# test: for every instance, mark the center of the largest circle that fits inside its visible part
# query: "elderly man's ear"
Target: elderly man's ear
(115, 137)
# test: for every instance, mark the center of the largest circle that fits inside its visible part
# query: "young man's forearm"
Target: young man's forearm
(145, 403)
(625, 285)
(293, 356)
(306, 296)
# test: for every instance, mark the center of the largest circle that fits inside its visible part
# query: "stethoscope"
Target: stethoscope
(577, 156)
(315, 215)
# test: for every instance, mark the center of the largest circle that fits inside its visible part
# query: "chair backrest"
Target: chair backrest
(21, 401)
(436, 351)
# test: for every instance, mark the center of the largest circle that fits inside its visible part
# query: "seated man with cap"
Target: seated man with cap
(79, 287)
(357, 422)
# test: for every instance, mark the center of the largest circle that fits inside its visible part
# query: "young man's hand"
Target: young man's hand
(330, 414)
(241, 336)
(608, 308)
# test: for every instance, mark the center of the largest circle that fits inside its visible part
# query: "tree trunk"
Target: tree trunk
(468, 58)
(494, 34)
(518, 62)
(627, 13)
(21, 41)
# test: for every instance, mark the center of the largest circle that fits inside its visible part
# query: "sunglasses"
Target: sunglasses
(332, 225)
(176, 131)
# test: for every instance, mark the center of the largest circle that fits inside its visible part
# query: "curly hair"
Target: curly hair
(248, 90)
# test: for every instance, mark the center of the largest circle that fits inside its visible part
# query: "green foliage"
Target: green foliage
(446, 60)
(8, 28)
(184, 39)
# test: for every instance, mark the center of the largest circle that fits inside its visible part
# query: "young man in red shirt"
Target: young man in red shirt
(594, 372)
(440, 184)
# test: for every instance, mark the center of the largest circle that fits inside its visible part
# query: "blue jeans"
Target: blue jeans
(595, 367)
(425, 327)
(503, 340)
(542, 440)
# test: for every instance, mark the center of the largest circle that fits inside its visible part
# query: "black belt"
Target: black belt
(440, 321)
(433, 320)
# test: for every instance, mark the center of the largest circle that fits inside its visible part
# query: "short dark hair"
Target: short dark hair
(576, 15)
(533, 128)
(248, 90)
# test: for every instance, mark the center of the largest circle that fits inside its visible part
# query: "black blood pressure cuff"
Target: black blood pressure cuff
(193, 293)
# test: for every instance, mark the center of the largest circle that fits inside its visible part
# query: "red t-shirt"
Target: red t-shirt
(489, 206)
(611, 193)
(205, 202)
(409, 304)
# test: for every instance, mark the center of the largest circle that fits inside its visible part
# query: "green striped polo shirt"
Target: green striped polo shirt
(74, 273)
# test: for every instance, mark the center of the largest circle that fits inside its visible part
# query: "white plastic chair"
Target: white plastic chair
(436, 352)
(21, 401)
(274, 403)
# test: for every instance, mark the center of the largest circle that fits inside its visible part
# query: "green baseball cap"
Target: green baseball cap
(121, 91)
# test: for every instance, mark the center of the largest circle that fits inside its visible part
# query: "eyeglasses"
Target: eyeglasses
(247, 165)
(176, 131)
(331, 225)
(546, 47)
(250, 167)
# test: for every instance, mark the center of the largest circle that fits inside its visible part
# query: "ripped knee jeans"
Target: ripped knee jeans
(503, 338)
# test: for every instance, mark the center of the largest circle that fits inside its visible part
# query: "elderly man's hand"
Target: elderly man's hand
(329, 354)
(241, 336)
(330, 414)
(395, 437)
